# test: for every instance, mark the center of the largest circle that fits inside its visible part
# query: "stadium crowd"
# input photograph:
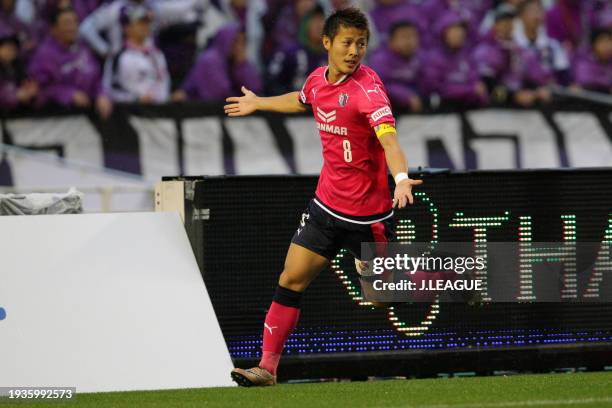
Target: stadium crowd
(465, 53)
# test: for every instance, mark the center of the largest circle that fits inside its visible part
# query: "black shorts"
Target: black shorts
(323, 232)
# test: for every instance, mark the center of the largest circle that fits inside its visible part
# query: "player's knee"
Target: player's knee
(293, 281)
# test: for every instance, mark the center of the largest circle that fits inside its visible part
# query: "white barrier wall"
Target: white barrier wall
(105, 302)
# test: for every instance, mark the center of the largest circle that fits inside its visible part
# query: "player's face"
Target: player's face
(347, 49)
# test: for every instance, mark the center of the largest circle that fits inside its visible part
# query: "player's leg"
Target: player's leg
(312, 247)
(302, 266)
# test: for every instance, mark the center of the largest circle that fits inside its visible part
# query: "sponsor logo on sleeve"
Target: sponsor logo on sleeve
(381, 113)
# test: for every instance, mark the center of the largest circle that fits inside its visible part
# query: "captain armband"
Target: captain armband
(384, 128)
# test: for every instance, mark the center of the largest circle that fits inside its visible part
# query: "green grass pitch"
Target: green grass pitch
(541, 390)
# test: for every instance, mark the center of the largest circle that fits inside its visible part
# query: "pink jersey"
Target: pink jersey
(353, 179)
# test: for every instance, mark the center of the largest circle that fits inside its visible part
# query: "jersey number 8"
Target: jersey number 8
(348, 155)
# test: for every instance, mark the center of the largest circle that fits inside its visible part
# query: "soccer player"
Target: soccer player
(352, 203)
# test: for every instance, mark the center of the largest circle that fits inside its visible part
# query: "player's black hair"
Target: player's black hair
(348, 17)
(57, 12)
(400, 24)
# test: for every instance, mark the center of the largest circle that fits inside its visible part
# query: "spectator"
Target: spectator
(600, 14)
(593, 69)
(138, 73)
(489, 19)
(38, 17)
(506, 68)
(290, 67)
(286, 22)
(565, 23)
(102, 29)
(30, 11)
(400, 66)
(221, 70)
(479, 8)
(476, 9)
(529, 33)
(15, 88)
(237, 9)
(10, 21)
(66, 71)
(9, 18)
(248, 13)
(388, 12)
(84, 8)
(451, 71)
(472, 11)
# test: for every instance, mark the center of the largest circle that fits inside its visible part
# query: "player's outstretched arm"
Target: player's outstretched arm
(396, 160)
(249, 103)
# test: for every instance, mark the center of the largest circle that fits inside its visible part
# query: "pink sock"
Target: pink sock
(280, 322)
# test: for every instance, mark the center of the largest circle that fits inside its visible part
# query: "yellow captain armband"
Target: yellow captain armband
(384, 128)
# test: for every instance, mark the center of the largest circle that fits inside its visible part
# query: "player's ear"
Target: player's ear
(326, 42)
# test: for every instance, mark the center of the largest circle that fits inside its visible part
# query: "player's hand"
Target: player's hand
(241, 105)
(403, 192)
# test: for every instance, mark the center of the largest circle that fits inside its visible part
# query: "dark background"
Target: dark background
(242, 244)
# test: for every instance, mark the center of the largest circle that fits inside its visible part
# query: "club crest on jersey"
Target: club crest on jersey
(343, 100)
